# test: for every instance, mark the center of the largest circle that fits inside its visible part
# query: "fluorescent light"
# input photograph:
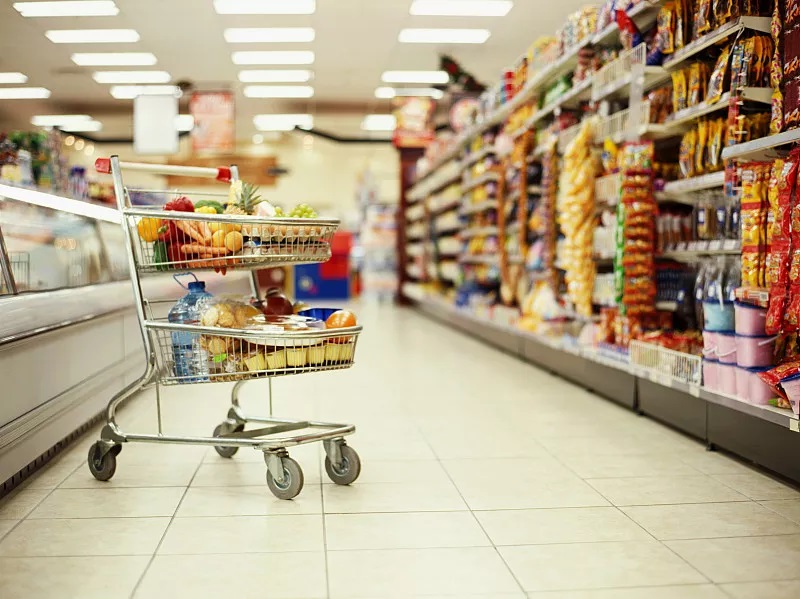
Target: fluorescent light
(387, 93)
(247, 35)
(79, 126)
(274, 76)
(24, 93)
(282, 122)
(379, 122)
(461, 8)
(415, 77)
(116, 77)
(67, 122)
(92, 36)
(184, 122)
(114, 59)
(278, 91)
(265, 7)
(129, 92)
(85, 8)
(6, 78)
(444, 36)
(273, 57)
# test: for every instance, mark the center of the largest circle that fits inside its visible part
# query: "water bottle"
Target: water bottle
(191, 360)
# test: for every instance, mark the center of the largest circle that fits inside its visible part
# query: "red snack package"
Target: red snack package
(791, 315)
(777, 265)
(777, 306)
(794, 268)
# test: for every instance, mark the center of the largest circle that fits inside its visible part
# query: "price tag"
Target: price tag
(694, 390)
(794, 425)
(731, 244)
(715, 245)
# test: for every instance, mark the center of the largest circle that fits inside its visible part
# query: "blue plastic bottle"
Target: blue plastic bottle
(191, 360)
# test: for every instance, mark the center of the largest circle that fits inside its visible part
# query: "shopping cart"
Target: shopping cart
(234, 353)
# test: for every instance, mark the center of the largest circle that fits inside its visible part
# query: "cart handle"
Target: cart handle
(223, 173)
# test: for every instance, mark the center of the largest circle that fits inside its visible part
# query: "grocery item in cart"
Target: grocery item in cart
(190, 359)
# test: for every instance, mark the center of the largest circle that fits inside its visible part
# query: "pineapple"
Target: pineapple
(243, 198)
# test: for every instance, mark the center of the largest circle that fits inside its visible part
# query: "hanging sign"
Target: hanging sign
(214, 129)
(414, 122)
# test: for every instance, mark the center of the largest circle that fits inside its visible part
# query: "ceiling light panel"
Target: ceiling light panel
(56, 120)
(6, 78)
(431, 77)
(275, 76)
(379, 122)
(444, 36)
(387, 93)
(131, 77)
(82, 126)
(184, 122)
(270, 57)
(265, 7)
(24, 93)
(282, 122)
(253, 35)
(114, 59)
(85, 8)
(278, 91)
(92, 36)
(461, 8)
(129, 92)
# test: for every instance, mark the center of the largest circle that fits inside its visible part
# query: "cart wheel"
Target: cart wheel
(103, 466)
(292, 480)
(225, 429)
(348, 471)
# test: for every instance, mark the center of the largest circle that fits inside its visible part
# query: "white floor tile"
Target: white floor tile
(230, 473)
(623, 466)
(413, 530)
(708, 520)
(758, 486)
(787, 589)
(421, 572)
(248, 501)
(688, 591)
(21, 502)
(154, 474)
(598, 565)
(108, 502)
(6, 526)
(96, 577)
(787, 508)
(392, 497)
(571, 525)
(249, 576)
(242, 534)
(84, 536)
(742, 559)
(659, 490)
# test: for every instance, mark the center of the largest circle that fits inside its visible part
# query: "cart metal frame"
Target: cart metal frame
(273, 435)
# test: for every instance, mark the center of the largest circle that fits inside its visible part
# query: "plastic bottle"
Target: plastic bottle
(191, 360)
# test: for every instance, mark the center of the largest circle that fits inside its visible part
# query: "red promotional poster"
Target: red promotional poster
(414, 122)
(214, 122)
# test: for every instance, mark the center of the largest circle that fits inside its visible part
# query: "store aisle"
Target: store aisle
(482, 477)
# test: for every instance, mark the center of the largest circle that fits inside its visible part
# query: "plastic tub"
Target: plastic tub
(726, 374)
(758, 392)
(726, 348)
(754, 352)
(710, 345)
(791, 386)
(711, 375)
(743, 383)
(750, 320)
(319, 313)
(719, 317)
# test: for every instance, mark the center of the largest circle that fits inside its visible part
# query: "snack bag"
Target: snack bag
(666, 28)
(717, 83)
(700, 148)
(776, 115)
(703, 18)
(687, 153)
(679, 91)
(713, 161)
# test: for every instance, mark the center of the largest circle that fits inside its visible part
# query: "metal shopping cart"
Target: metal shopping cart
(247, 353)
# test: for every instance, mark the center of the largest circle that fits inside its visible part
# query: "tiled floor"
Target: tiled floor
(483, 477)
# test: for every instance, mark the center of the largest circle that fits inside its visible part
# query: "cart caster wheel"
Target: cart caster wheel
(103, 468)
(292, 480)
(349, 469)
(225, 429)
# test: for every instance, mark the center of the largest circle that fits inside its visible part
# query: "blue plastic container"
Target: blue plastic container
(319, 313)
(719, 317)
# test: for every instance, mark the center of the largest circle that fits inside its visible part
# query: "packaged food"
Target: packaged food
(718, 81)
(679, 91)
(776, 116)
(700, 147)
(791, 104)
(713, 161)
(687, 154)
(751, 262)
(703, 18)
(637, 157)
(666, 28)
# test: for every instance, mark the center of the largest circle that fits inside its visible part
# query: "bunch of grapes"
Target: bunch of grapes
(303, 211)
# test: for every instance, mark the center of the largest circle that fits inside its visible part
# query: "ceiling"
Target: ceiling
(356, 40)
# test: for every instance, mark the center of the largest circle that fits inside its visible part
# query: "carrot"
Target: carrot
(204, 230)
(203, 250)
(187, 228)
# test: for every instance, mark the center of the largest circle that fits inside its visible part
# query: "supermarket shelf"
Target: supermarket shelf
(607, 189)
(761, 434)
(415, 213)
(691, 254)
(719, 34)
(477, 156)
(512, 228)
(687, 115)
(490, 260)
(765, 148)
(701, 183)
(478, 232)
(440, 180)
(448, 225)
(480, 207)
(478, 181)
(415, 249)
(443, 205)
(643, 14)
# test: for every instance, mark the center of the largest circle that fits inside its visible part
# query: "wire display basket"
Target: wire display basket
(180, 241)
(196, 354)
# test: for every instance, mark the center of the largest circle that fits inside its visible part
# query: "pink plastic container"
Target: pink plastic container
(750, 387)
(726, 373)
(726, 348)
(711, 375)
(754, 352)
(710, 345)
(750, 320)
(743, 383)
